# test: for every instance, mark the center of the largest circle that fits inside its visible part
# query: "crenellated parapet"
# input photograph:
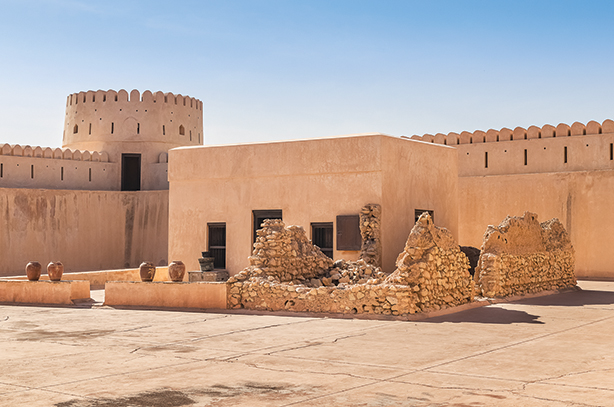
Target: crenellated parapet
(17, 150)
(519, 133)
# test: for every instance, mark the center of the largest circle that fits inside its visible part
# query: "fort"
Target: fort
(134, 182)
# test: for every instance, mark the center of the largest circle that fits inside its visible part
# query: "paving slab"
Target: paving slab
(544, 351)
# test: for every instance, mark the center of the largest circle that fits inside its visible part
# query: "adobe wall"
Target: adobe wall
(581, 200)
(523, 256)
(86, 230)
(310, 181)
(148, 124)
(44, 167)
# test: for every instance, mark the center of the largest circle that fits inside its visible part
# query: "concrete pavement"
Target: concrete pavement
(556, 350)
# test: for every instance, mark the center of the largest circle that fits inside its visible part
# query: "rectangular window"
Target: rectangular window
(112, 127)
(486, 159)
(322, 236)
(90, 128)
(217, 244)
(32, 171)
(1, 170)
(565, 155)
(611, 151)
(261, 215)
(90, 175)
(419, 212)
(138, 128)
(62, 174)
(348, 232)
(525, 156)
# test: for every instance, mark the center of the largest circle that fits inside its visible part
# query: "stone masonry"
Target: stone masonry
(371, 249)
(523, 256)
(287, 272)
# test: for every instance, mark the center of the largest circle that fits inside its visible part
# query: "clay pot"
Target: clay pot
(147, 271)
(176, 271)
(55, 270)
(33, 270)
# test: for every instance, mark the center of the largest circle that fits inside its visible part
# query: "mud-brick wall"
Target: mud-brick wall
(85, 230)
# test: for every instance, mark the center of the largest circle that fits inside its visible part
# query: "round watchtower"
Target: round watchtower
(136, 131)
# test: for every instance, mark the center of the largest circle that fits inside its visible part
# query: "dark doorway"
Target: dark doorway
(217, 244)
(322, 236)
(260, 216)
(131, 172)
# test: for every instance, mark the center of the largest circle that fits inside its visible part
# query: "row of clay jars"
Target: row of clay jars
(176, 271)
(54, 270)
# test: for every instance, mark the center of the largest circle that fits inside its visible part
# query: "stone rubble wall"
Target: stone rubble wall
(371, 249)
(523, 256)
(432, 274)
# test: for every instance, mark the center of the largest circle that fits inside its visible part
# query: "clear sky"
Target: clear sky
(287, 69)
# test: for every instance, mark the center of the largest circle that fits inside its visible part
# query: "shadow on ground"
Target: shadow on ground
(488, 315)
(572, 299)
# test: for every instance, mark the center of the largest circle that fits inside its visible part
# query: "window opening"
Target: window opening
(83, 98)
(190, 135)
(165, 99)
(112, 127)
(1, 170)
(261, 215)
(611, 151)
(90, 175)
(565, 155)
(181, 130)
(116, 98)
(470, 140)
(486, 159)
(93, 98)
(163, 130)
(104, 98)
(138, 128)
(131, 172)
(419, 212)
(90, 128)
(217, 244)
(32, 171)
(348, 232)
(322, 236)
(62, 174)
(75, 129)
(525, 156)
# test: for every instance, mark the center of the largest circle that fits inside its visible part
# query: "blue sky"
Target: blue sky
(283, 69)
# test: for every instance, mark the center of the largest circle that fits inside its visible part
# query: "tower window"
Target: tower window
(138, 128)
(75, 129)
(525, 156)
(565, 154)
(181, 130)
(62, 174)
(90, 175)
(190, 135)
(1, 170)
(163, 130)
(611, 151)
(486, 159)
(32, 171)
(90, 128)
(112, 127)
(104, 98)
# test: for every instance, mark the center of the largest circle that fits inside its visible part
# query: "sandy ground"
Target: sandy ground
(556, 350)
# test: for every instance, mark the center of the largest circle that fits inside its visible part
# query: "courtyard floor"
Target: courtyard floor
(556, 350)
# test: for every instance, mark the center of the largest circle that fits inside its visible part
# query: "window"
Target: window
(322, 236)
(181, 130)
(75, 129)
(611, 151)
(348, 232)
(90, 175)
(112, 127)
(486, 159)
(419, 212)
(217, 244)
(62, 174)
(261, 215)
(1, 170)
(565, 155)
(163, 130)
(525, 156)
(138, 128)
(90, 132)
(32, 171)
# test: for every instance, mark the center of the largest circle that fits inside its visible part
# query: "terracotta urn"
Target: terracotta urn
(55, 270)
(33, 270)
(147, 271)
(176, 271)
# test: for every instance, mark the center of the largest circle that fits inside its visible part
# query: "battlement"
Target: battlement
(101, 96)
(519, 133)
(16, 150)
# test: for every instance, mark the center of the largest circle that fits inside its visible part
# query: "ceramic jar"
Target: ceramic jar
(147, 271)
(55, 270)
(176, 271)
(33, 270)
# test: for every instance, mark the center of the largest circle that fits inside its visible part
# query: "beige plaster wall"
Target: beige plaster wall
(581, 200)
(417, 175)
(56, 173)
(146, 124)
(309, 180)
(86, 230)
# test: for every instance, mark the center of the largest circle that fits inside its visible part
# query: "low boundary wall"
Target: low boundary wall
(43, 292)
(166, 294)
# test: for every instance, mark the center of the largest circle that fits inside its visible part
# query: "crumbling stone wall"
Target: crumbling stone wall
(371, 249)
(523, 256)
(427, 277)
(433, 265)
